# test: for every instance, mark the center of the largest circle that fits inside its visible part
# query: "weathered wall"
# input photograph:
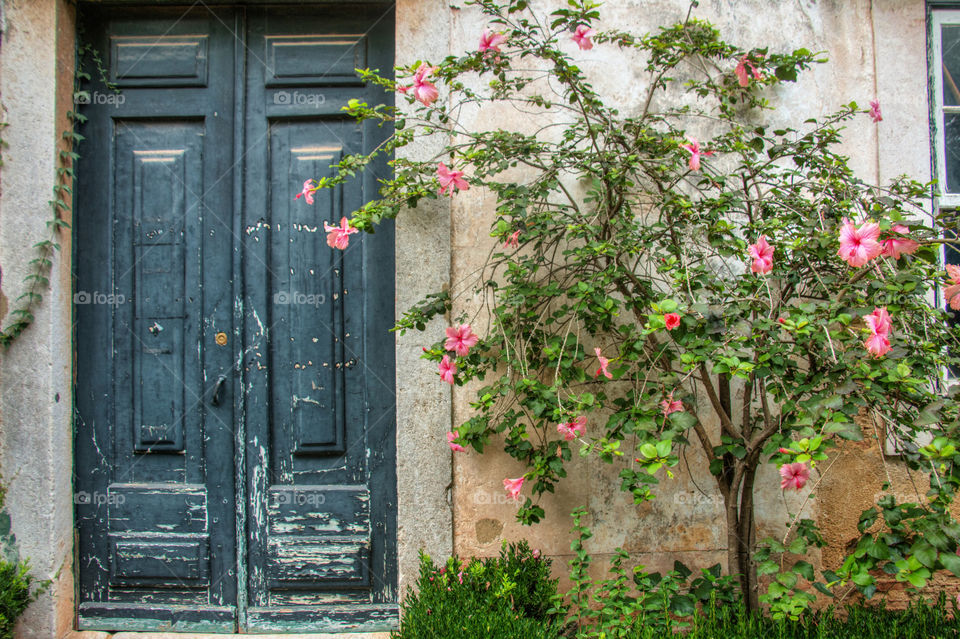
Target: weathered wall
(876, 48)
(36, 79)
(423, 266)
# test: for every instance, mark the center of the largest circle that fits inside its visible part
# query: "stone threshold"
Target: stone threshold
(90, 634)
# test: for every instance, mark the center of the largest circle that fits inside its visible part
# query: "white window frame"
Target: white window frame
(939, 18)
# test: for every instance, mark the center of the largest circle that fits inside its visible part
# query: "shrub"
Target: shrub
(502, 597)
(15, 595)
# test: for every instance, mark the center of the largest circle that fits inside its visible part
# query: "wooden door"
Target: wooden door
(235, 416)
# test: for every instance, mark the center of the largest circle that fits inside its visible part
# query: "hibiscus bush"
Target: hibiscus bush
(686, 271)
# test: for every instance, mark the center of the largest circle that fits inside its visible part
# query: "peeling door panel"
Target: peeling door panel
(320, 410)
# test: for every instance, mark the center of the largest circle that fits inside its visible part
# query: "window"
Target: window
(946, 114)
(946, 104)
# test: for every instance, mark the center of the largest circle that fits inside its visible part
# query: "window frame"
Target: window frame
(938, 18)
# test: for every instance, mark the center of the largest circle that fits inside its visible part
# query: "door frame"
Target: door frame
(423, 408)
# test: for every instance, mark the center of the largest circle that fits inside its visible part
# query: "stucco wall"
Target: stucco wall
(35, 388)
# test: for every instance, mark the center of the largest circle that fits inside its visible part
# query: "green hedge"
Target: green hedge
(514, 597)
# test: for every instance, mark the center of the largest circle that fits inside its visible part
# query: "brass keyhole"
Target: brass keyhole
(221, 339)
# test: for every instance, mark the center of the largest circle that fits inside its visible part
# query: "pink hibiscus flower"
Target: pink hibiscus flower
(875, 114)
(762, 254)
(447, 369)
(896, 246)
(794, 476)
(307, 192)
(672, 320)
(513, 487)
(880, 327)
(859, 245)
(571, 430)
(582, 37)
(491, 41)
(879, 321)
(671, 405)
(424, 90)
(695, 153)
(877, 344)
(952, 292)
(460, 339)
(339, 236)
(450, 180)
(455, 447)
(743, 77)
(604, 362)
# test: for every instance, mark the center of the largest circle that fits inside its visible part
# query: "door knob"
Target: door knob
(217, 390)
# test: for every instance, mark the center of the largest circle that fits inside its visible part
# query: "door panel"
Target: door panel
(320, 413)
(155, 506)
(235, 415)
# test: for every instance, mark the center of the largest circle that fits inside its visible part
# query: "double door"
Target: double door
(235, 466)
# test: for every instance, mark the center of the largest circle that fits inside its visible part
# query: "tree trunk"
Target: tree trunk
(741, 537)
(747, 538)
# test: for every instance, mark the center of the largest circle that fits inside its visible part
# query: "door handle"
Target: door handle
(217, 390)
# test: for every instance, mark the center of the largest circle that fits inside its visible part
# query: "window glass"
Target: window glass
(951, 147)
(950, 63)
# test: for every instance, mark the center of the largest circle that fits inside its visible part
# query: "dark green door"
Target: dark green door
(235, 377)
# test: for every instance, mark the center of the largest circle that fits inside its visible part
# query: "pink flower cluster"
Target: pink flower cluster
(491, 41)
(455, 447)
(572, 430)
(861, 244)
(762, 254)
(794, 476)
(582, 37)
(695, 153)
(460, 339)
(952, 292)
(743, 77)
(880, 329)
(604, 363)
(339, 236)
(513, 487)
(424, 90)
(450, 180)
(671, 405)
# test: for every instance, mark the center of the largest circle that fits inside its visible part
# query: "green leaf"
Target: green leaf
(664, 446)
(924, 553)
(951, 562)
(683, 605)
(804, 569)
